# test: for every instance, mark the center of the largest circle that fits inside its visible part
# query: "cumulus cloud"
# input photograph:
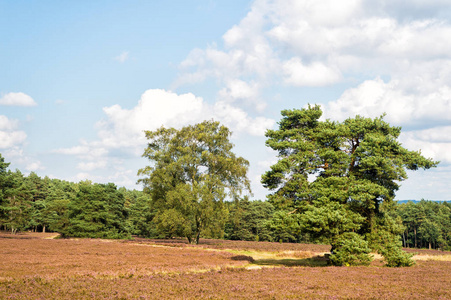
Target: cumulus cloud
(121, 132)
(156, 108)
(314, 74)
(17, 99)
(403, 105)
(10, 136)
(16, 155)
(92, 165)
(433, 142)
(321, 43)
(34, 166)
(125, 127)
(87, 151)
(9, 139)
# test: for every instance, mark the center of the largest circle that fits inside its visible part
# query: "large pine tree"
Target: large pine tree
(341, 176)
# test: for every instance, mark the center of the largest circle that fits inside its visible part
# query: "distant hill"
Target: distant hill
(416, 201)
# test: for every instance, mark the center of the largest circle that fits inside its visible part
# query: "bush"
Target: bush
(395, 257)
(350, 249)
(389, 246)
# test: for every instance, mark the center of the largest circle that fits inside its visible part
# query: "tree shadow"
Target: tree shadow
(316, 261)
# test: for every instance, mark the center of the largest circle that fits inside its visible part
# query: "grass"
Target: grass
(446, 257)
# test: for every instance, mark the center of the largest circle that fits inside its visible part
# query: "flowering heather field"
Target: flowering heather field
(240, 245)
(101, 258)
(97, 269)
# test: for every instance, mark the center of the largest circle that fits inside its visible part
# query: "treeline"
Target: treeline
(93, 210)
(32, 203)
(427, 224)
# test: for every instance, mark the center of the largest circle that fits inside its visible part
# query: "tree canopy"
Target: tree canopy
(193, 170)
(341, 176)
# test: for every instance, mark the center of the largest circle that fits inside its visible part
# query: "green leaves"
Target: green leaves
(98, 211)
(350, 249)
(193, 170)
(337, 175)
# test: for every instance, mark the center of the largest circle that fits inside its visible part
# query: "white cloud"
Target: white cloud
(433, 142)
(84, 176)
(314, 74)
(241, 91)
(403, 105)
(319, 43)
(77, 150)
(239, 121)
(17, 99)
(156, 108)
(10, 136)
(86, 150)
(124, 128)
(122, 57)
(16, 155)
(8, 124)
(92, 165)
(34, 166)
(121, 132)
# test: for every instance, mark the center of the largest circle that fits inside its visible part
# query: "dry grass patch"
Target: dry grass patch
(446, 257)
(29, 235)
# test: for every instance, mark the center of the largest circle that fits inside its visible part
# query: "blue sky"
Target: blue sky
(81, 80)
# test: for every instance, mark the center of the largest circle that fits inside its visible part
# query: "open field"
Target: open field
(33, 268)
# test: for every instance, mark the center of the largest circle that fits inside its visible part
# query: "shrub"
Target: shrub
(390, 247)
(395, 257)
(350, 249)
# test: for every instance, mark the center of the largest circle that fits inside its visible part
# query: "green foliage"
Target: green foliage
(193, 170)
(97, 211)
(337, 175)
(140, 213)
(247, 220)
(350, 249)
(285, 227)
(325, 219)
(395, 257)
(4, 186)
(427, 224)
(389, 246)
(84, 210)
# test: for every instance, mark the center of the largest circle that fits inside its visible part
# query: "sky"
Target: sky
(81, 80)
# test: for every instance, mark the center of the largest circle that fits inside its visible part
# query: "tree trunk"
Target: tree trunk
(429, 245)
(43, 228)
(197, 238)
(415, 233)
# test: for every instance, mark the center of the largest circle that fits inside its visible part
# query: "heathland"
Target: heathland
(36, 266)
